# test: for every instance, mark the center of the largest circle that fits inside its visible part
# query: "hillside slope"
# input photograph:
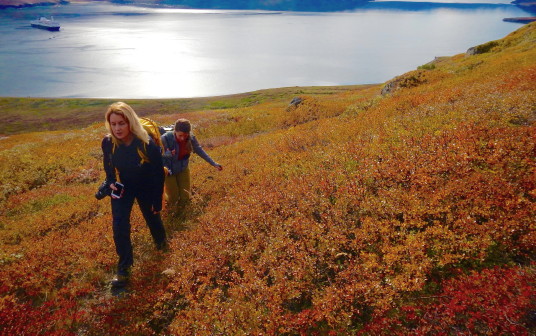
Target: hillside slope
(411, 212)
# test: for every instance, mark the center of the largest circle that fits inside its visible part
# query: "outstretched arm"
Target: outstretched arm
(201, 152)
(167, 155)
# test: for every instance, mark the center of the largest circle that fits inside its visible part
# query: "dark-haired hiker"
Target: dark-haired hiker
(133, 159)
(178, 146)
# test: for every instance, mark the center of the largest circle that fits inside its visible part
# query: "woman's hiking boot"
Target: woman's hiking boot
(119, 281)
(163, 247)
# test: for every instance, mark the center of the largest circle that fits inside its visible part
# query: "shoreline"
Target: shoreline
(53, 114)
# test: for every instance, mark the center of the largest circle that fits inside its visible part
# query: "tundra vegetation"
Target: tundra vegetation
(411, 212)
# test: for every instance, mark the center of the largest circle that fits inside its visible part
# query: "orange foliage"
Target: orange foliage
(353, 213)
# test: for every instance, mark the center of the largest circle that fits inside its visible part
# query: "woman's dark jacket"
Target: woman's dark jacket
(137, 166)
(172, 162)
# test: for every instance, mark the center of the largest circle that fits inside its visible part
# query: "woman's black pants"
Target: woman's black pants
(121, 209)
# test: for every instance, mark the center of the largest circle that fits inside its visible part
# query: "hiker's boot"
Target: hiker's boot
(119, 281)
(163, 247)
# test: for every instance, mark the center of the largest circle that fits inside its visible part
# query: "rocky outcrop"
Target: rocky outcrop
(482, 48)
(409, 80)
(296, 101)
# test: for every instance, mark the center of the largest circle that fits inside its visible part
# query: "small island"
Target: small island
(527, 19)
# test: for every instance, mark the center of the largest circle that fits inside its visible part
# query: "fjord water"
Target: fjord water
(117, 51)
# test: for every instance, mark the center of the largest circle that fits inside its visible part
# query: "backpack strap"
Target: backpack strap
(109, 148)
(143, 154)
(169, 136)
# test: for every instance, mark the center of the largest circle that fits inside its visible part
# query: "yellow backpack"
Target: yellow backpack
(153, 130)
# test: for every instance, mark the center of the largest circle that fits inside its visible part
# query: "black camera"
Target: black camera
(104, 190)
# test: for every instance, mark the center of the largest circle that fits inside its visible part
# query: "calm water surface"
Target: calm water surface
(116, 51)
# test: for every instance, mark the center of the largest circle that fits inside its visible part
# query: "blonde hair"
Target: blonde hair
(130, 116)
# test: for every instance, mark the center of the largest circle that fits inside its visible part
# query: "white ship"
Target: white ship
(44, 23)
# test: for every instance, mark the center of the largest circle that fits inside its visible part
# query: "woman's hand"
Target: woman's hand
(114, 188)
(219, 167)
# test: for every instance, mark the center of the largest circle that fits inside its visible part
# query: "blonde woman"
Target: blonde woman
(178, 146)
(133, 161)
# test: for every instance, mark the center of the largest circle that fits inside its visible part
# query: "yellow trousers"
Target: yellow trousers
(177, 189)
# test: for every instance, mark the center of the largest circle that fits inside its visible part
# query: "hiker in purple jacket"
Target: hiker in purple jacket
(178, 146)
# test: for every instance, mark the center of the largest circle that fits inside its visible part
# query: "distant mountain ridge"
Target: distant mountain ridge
(283, 5)
(286, 5)
(280, 5)
(29, 3)
(528, 5)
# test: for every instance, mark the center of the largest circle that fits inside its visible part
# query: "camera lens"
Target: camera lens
(104, 190)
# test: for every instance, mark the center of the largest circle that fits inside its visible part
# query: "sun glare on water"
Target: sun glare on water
(157, 61)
